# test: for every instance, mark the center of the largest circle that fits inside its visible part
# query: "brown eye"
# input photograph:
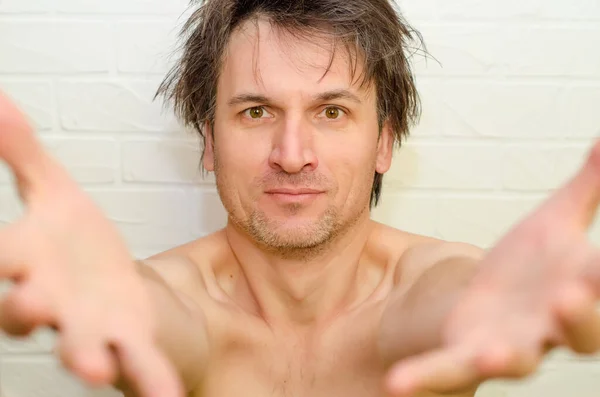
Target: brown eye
(332, 113)
(257, 112)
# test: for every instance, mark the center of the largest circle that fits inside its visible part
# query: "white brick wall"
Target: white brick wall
(510, 107)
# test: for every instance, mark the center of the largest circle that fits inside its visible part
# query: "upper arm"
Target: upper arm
(182, 332)
(179, 273)
(429, 276)
(423, 256)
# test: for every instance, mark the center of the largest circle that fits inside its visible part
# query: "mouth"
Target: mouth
(294, 195)
(294, 191)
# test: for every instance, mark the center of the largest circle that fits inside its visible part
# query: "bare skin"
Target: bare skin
(336, 356)
(301, 293)
(214, 305)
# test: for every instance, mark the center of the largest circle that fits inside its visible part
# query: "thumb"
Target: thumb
(20, 148)
(577, 201)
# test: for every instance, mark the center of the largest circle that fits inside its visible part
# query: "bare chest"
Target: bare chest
(341, 360)
(279, 373)
(254, 361)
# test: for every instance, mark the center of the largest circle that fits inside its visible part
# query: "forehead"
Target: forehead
(261, 57)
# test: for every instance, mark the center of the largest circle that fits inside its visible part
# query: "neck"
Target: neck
(304, 290)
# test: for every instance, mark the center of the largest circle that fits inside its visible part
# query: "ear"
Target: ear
(385, 148)
(209, 148)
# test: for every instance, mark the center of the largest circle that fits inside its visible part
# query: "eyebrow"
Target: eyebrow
(322, 97)
(245, 98)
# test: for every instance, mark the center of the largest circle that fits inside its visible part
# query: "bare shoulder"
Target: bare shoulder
(188, 268)
(415, 253)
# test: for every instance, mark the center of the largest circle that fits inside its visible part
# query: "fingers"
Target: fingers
(508, 361)
(23, 310)
(460, 368)
(84, 352)
(579, 319)
(19, 147)
(30, 162)
(440, 371)
(147, 369)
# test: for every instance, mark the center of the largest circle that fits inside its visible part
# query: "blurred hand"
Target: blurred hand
(536, 289)
(72, 271)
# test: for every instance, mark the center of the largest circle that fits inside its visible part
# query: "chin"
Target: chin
(293, 233)
(299, 238)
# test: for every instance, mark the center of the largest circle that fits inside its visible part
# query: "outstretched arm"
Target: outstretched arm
(72, 271)
(182, 328)
(536, 289)
(430, 278)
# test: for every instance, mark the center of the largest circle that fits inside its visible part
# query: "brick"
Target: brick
(104, 392)
(148, 218)
(54, 47)
(455, 50)
(499, 50)
(509, 9)
(209, 213)
(428, 10)
(163, 161)
(481, 220)
(29, 376)
(430, 122)
(30, 6)
(558, 380)
(513, 9)
(506, 110)
(113, 106)
(473, 9)
(119, 6)
(446, 166)
(576, 10)
(34, 99)
(88, 161)
(402, 211)
(537, 167)
(131, 7)
(145, 47)
(418, 10)
(579, 114)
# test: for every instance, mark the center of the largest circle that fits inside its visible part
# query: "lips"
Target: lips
(294, 191)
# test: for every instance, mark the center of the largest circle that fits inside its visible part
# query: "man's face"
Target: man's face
(295, 151)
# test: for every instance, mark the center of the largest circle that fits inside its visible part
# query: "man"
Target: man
(299, 104)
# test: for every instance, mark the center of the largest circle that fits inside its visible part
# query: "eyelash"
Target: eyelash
(244, 113)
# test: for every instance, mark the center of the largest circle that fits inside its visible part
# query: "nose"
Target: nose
(293, 149)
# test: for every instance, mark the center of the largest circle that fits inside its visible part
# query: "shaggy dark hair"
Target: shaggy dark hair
(372, 31)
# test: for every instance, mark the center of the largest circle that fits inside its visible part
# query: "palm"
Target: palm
(534, 290)
(77, 252)
(72, 271)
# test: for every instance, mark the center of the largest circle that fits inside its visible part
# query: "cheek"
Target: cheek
(353, 169)
(357, 154)
(239, 164)
(237, 153)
